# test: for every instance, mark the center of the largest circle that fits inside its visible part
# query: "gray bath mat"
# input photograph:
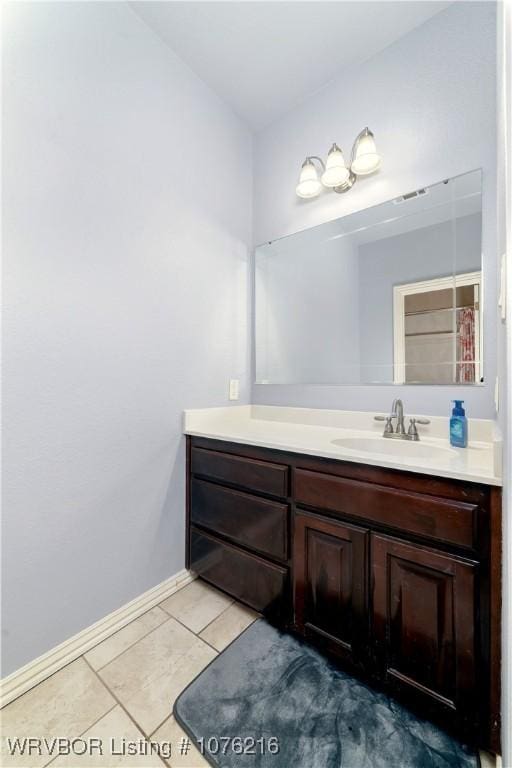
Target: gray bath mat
(270, 691)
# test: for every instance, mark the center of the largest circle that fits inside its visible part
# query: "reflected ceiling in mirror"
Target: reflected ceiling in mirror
(390, 294)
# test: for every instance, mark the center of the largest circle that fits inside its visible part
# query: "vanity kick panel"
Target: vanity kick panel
(329, 549)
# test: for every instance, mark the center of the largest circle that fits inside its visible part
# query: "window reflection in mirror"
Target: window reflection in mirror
(390, 294)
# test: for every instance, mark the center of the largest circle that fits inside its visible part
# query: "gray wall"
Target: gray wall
(419, 255)
(430, 98)
(127, 219)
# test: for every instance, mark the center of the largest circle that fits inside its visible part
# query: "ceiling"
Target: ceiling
(264, 58)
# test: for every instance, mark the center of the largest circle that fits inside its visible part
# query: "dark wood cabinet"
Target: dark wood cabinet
(450, 521)
(260, 476)
(423, 625)
(256, 523)
(394, 574)
(256, 582)
(330, 589)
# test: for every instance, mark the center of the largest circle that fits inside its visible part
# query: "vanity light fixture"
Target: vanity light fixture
(309, 183)
(335, 174)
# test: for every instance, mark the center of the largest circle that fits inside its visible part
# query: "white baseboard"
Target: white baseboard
(39, 669)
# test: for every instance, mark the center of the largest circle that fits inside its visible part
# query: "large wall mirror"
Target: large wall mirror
(390, 294)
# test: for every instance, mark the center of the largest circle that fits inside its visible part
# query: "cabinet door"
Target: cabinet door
(424, 624)
(330, 584)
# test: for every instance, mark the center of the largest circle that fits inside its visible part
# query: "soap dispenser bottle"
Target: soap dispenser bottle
(458, 426)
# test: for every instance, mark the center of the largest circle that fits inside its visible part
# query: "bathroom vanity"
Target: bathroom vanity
(374, 540)
(393, 571)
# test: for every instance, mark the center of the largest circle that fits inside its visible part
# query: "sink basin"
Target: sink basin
(392, 447)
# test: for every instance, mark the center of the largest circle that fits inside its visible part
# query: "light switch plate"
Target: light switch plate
(234, 389)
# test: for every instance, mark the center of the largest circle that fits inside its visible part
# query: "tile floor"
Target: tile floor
(125, 687)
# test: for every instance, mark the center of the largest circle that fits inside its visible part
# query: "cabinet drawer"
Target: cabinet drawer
(444, 520)
(260, 476)
(246, 577)
(254, 522)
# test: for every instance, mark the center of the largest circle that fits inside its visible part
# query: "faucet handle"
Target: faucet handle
(413, 431)
(388, 429)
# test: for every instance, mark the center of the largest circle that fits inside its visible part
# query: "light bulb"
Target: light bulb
(309, 184)
(366, 159)
(336, 173)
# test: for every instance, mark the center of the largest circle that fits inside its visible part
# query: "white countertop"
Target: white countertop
(312, 431)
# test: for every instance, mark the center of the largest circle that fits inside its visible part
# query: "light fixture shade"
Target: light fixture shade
(365, 156)
(309, 184)
(336, 173)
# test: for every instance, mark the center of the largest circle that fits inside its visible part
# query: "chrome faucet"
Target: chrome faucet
(397, 412)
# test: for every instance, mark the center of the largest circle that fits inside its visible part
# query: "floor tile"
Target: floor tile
(487, 760)
(65, 704)
(115, 733)
(171, 733)
(196, 605)
(228, 626)
(115, 644)
(148, 677)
